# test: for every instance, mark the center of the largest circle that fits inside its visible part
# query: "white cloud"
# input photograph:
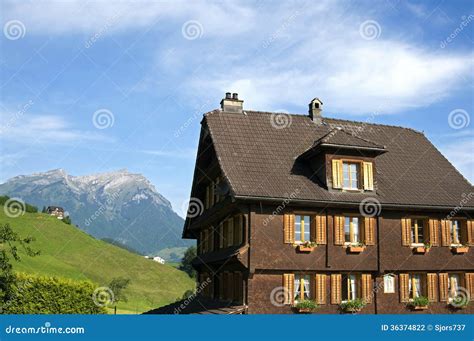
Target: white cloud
(459, 153)
(45, 129)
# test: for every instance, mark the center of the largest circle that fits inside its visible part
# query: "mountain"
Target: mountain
(116, 205)
(67, 252)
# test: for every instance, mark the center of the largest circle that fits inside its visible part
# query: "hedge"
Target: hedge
(51, 295)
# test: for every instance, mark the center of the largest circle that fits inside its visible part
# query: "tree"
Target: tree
(186, 265)
(67, 220)
(43, 210)
(9, 241)
(118, 285)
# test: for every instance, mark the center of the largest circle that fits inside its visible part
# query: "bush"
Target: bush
(50, 295)
(420, 301)
(307, 304)
(28, 208)
(353, 305)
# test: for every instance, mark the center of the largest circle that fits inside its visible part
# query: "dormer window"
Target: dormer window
(352, 175)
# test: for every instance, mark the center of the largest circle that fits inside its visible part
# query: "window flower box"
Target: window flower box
(459, 302)
(306, 247)
(356, 248)
(353, 306)
(460, 249)
(419, 303)
(305, 307)
(419, 307)
(422, 249)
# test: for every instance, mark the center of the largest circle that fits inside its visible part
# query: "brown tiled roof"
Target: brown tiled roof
(340, 137)
(259, 160)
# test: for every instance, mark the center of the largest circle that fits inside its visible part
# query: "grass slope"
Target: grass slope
(69, 252)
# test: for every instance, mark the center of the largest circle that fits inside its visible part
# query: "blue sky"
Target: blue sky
(98, 86)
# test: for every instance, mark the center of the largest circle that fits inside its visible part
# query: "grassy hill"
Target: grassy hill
(68, 252)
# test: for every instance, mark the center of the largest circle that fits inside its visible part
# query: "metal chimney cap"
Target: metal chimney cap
(235, 95)
(228, 95)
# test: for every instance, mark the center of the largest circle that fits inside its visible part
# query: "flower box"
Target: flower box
(419, 307)
(460, 250)
(356, 249)
(352, 310)
(304, 310)
(305, 248)
(421, 249)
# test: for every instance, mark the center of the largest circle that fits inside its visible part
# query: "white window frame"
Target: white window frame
(302, 289)
(353, 281)
(458, 231)
(305, 229)
(358, 166)
(352, 230)
(389, 284)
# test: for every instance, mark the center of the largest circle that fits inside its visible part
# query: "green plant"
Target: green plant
(186, 262)
(420, 301)
(306, 304)
(353, 305)
(309, 244)
(427, 245)
(359, 244)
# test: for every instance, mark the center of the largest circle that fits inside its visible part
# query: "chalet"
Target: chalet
(304, 210)
(56, 211)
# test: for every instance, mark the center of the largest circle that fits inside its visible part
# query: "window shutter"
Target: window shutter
(432, 287)
(336, 173)
(335, 289)
(470, 285)
(318, 228)
(216, 195)
(368, 176)
(230, 232)
(238, 287)
(221, 286)
(221, 235)
(288, 287)
(367, 287)
(211, 239)
(289, 228)
(338, 224)
(406, 233)
(443, 287)
(238, 230)
(207, 198)
(470, 232)
(369, 228)
(211, 194)
(463, 238)
(434, 231)
(445, 233)
(320, 289)
(403, 284)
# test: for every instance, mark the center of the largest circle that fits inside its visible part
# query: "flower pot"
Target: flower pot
(419, 307)
(303, 248)
(460, 250)
(421, 250)
(356, 249)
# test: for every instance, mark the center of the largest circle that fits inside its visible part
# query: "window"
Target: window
(389, 284)
(417, 231)
(455, 231)
(415, 286)
(453, 285)
(350, 175)
(350, 287)
(351, 230)
(302, 228)
(302, 287)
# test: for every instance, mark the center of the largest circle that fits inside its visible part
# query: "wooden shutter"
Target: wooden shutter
(318, 228)
(238, 230)
(336, 289)
(367, 287)
(221, 286)
(211, 194)
(230, 232)
(216, 192)
(443, 287)
(368, 176)
(320, 288)
(469, 279)
(221, 235)
(445, 232)
(463, 238)
(432, 282)
(369, 230)
(238, 287)
(211, 239)
(406, 231)
(470, 232)
(336, 173)
(288, 285)
(289, 228)
(338, 223)
(434, 231)
(403, 285)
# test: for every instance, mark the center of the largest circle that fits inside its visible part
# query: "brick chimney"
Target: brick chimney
(232, 103)
(315, 109)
